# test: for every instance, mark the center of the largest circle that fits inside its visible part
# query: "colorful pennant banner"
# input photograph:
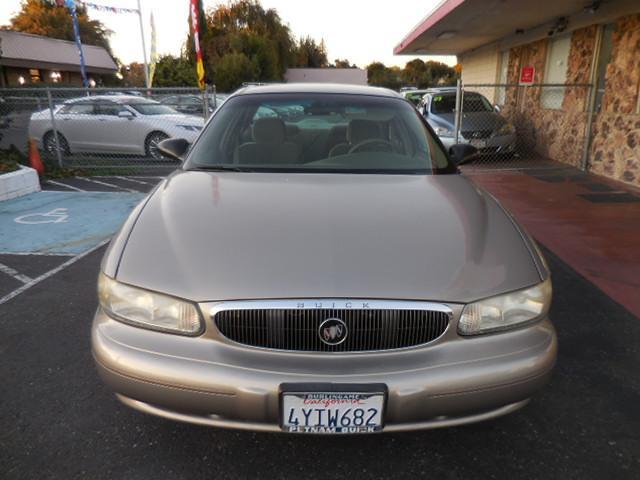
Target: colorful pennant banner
(94, 6)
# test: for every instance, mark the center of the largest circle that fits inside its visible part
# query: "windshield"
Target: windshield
(318, 133)
(414, 97)
(152, 108)
(472, 102)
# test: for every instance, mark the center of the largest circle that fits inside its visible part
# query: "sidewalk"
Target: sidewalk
(590, 222)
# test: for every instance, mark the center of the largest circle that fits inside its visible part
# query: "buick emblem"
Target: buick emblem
(333, 331)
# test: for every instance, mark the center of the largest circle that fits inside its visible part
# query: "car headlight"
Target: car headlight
(146, 309)
(191, 128)
(506, 311)
(444, 132)
(507, 129)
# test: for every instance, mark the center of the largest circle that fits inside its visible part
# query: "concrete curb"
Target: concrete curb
(19, 183)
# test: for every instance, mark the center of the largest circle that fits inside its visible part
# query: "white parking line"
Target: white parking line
(135, 181)
(99, 182)
(14, 273)
(43, 254)
(50, 273)
(60, 184)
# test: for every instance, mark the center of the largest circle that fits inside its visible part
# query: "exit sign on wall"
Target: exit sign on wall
(526, 75)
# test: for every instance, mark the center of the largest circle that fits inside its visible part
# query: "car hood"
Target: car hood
(179, 119)
(218, 236)
(471, 121)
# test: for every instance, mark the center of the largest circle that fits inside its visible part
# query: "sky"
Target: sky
(362, 31)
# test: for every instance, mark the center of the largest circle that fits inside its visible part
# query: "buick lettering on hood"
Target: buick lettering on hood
(318, 264)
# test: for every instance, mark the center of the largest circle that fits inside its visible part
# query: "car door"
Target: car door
(117, 134)
(191, 105)
(77, 123)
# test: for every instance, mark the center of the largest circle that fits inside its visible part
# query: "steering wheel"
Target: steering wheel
(371, 142)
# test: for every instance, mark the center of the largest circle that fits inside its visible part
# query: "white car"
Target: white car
(118, 124)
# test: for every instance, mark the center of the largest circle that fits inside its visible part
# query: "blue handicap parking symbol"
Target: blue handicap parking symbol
(62, 222)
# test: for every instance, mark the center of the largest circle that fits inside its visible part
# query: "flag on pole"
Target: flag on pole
(76, 32)
(154, 52)
(197, 19)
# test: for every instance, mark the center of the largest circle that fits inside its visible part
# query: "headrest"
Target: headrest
(360, 130)
(268, 130)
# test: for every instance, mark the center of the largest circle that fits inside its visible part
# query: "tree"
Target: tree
(259, 45)
(379, 75)
(174, 72)
(309, 54)
(40, 18)
(133, 75)
(342, 63)
(416, 73)
(233, 69)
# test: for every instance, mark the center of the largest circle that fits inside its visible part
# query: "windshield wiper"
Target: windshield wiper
(221, 168)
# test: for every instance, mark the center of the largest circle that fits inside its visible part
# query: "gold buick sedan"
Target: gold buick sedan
(318, 264)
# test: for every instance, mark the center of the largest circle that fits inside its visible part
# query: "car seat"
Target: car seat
(268, 146)
(358, 131)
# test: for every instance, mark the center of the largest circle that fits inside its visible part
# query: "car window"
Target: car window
(265, 112)
(472, 102)
(151, 108)
(170, 100)
(78, 108)
(108, 108)
(414, 97)
(191, 101)
(319, 133)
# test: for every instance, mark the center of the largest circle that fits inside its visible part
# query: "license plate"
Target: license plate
(332, 412)
(478, 143)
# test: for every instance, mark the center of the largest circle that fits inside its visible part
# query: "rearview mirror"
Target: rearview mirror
(463, 153)
(125, 114)
(174, 148)
(496, 108)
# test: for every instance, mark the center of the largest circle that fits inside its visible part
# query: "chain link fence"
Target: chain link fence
(513, 126)
(102, 127)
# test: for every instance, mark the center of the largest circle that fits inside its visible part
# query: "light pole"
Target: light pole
(144, 48)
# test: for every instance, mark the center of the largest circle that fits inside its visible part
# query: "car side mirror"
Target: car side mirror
(496, 108)
(462, 153)
(174, 148)
(126, 114)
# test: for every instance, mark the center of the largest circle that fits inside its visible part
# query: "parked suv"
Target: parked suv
(480, 124)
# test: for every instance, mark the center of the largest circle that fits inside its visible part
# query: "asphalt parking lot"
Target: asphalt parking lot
(57, 420)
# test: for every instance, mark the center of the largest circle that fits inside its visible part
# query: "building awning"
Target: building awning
(34, 51)
(457, 26)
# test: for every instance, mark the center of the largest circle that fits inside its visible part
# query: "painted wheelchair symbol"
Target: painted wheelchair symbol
(57, 215)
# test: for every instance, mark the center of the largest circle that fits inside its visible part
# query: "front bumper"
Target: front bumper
(499, 144)
(201, 380)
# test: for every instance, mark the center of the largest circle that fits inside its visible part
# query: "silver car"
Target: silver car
(333, 273)
(117, 124)
(480, 124)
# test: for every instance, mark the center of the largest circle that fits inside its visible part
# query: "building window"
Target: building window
(503, 77)
(35, 75)
(555, 72)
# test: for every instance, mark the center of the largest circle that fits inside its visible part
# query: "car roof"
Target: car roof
(336, 88)
(112, 98)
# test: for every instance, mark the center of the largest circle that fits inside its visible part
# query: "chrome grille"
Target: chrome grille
(298, 329)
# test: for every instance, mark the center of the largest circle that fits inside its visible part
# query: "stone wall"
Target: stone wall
(558, 134)
(615, 145)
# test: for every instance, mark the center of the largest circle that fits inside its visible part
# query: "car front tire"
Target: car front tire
(151, 145)
(50, 147)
